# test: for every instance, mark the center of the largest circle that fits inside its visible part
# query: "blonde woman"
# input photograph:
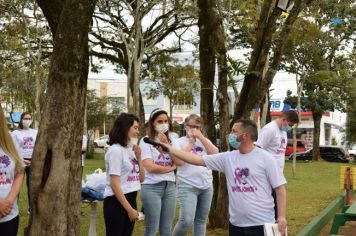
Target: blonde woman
(11, 177)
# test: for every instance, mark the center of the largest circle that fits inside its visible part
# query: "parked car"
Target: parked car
(328, 153)
(352, 153)
(101, 141)
(301, 147)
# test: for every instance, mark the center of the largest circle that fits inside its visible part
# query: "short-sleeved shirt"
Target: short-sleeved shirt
(159, 158)
(249, 179)
(25, 140)
(7, 178)
(196, 176)
(121, 161)
(273, 140)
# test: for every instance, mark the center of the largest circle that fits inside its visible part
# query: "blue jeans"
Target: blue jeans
(194, 207)
(159, 205)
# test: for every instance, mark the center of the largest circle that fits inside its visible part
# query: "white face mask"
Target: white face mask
(133, 142)
(162, 128)
(26, 123)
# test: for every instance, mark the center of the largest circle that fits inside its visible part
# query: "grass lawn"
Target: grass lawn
(316, 185)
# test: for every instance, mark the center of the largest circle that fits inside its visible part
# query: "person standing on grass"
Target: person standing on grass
(158, 191)
(11, 177)
(273, 139)
(250, 172)
(195, 188)
(124, 172)
(25, 137)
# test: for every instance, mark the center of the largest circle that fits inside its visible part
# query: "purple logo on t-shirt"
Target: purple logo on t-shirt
(134, 176)
(163, 160)
(241, 181)
(197, 150)
(282, 147)
(27, 143)
(4, 170)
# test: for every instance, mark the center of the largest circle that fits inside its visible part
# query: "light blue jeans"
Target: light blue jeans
(194, 207)
(159, 205)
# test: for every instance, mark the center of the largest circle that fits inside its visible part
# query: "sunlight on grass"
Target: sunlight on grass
(315, 186)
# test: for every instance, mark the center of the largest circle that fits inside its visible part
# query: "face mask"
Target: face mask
(162, 128)
(26, 123)
(286, 128)
(233, 141)
(133, 142)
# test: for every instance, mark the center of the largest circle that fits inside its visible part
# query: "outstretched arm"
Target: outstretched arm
(187, 156)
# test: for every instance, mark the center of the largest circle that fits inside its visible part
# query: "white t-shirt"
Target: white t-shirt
(273, 140)
(84, 145)
(25, 139)
(249, 179)
(7, 177)
(159, 158)
(197, 176)
(121, 161)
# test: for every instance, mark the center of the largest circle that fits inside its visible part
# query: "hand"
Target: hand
(133, 214)
(282, 224)
(27, 162)
(163, 138)
(137, 151)
(196, 133)
(5, 207)
(173, 167)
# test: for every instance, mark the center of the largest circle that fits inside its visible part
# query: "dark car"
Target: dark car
(328, 153)
(301, 147)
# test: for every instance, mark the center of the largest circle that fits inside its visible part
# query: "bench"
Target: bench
(341, 218)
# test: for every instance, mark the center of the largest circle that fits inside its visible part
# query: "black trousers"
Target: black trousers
(27, 172)
(9, 228)
(274, 195)
(117, 221)
(246, 231)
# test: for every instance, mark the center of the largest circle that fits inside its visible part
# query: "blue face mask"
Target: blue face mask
(286, 128)
(233, 141)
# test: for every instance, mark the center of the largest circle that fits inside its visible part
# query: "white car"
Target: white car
(352, 153)
(101, 141)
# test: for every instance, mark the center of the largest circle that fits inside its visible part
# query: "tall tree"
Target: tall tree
(126, 30)
(256, 85)
(55, 170)
(166, 75)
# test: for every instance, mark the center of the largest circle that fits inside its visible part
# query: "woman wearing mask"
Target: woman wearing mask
(158, 191)
(11, 177)
(195, 189)
(124, 172)
(25, 137)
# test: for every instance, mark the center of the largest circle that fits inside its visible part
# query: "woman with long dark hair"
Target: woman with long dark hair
(158, 191)
(11, 177)
(25, 137)
(124, 173)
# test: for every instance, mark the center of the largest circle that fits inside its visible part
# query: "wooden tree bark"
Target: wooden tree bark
(316, 134)
(55, 170)
(256, 85)
(207, 60)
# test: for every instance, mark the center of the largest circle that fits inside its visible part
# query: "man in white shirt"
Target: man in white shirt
(250, 172)
(273, 136)
(273, 139)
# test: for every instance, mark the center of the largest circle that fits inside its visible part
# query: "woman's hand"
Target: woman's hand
(137, 151)
(133, 214)
(27, 162)
(163, 138)
(5, 207)
(196, 133)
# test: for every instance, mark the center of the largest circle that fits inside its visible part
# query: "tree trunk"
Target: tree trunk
(207, 60)
(55, 170)
(316, 134)
(255, 84)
